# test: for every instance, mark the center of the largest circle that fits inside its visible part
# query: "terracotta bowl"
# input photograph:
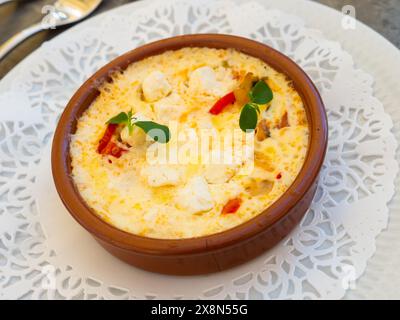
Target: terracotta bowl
(214, 252)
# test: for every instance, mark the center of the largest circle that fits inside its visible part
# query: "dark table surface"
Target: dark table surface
(381, 15)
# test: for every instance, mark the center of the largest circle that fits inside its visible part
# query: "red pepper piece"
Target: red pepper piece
(279, 176)
(116, 151)
(113, 150)
(222, 103)
(106, 137)
(106, 146)
(232, 206)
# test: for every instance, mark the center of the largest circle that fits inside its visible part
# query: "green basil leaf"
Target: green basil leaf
(157, 132)
(130, 125)
(248, 118)
(119, 118)
(261, 93)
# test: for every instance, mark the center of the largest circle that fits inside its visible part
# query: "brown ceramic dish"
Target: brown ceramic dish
(217, 251)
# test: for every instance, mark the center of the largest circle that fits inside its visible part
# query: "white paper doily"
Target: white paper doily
(45, 254)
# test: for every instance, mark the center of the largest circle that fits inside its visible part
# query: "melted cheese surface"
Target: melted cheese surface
(174, 200)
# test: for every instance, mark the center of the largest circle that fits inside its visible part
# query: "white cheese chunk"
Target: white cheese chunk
(219, 169)
(219, 173)
(195, 196)
(169, 108)
(204, 80)
(161, 175)
(155, 86)
(137, 136)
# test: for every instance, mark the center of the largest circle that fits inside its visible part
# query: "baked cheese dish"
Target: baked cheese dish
(189, 143)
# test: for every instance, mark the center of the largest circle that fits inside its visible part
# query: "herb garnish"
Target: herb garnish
(260, 94)
(123, 118)
(156, 131)
(248, 117)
